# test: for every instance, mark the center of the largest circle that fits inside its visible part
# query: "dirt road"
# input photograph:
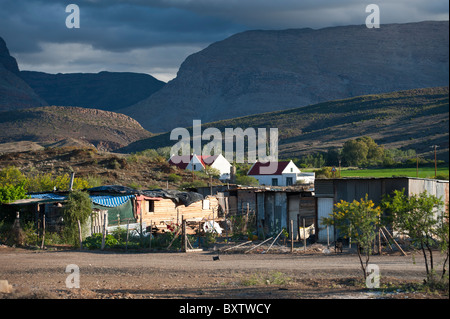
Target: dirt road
(42, 274)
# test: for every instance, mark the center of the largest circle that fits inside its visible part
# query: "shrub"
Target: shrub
(174, 178)
(78, 208)
(10, 193)
(95, 241)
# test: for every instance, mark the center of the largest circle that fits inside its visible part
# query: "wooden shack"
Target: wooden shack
(163, 212)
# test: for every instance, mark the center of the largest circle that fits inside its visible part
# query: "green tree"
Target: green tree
(442, 232)
(355, 152)
(47, 182)
(11, 176)
(77, 209)
(358, 220)
(10, 193)
(362, 151)
(211, 171)
(417, 217)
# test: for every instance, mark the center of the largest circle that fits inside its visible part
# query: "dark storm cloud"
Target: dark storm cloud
(118, 26)
(157, 35)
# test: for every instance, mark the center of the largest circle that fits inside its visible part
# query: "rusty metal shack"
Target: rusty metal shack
(273, 207)
(331, 191)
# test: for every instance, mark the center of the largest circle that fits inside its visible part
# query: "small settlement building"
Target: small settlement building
(331, 191)
(270, 208)
(115, 205)
(199, 163)
(286, 173)
(274, 208)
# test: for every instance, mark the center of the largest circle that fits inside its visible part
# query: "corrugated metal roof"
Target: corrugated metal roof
(48, 196)
(103, 200)
(111, 201)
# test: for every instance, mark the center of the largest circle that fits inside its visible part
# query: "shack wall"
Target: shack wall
(166, 212)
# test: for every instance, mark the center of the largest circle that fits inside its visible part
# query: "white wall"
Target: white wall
(198, 164)
(223, 166)
(306, 177)
(267, 179)
(291, 168)
(324, 209)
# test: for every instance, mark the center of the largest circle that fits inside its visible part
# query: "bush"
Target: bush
(174, 178)
(193, 184)
(247, 180)
(10, 193)
(78, 208)
(324, 172)
(95, 241)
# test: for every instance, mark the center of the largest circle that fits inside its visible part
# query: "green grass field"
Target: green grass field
(424, 172)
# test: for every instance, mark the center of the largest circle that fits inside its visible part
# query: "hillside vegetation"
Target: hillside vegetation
(412, 119)
(47, 168)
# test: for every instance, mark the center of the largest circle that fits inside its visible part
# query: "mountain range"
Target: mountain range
(107, 91)
(262, 71)
(15, 93)
(319, 87)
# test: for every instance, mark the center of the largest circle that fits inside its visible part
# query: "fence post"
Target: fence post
(104, 231)
(79, 232)
(43, 230)
(292, 236)
(304, 235)
(184, 235)
(128, 228)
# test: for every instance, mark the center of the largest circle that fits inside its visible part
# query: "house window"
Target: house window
(274, 181)
(292, 169)
(195, 167)
(289, 181)
(150, 206)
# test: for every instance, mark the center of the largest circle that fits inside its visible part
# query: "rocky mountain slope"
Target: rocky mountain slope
(261, 71)
(411, 119)
(68, 126)
(15, 93)
(105, 90)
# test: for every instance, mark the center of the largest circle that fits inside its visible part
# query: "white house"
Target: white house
(199, 163)
(286, 174)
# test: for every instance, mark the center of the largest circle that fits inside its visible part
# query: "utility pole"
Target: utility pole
(435, 160)
(417, 165)
(339, 168)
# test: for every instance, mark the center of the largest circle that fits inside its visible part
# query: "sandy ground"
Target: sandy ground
(162, 275)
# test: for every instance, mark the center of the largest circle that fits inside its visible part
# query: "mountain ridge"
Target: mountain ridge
(104, 90)
(15, 93)
(413, 119)
(268, 70)
(53, 126)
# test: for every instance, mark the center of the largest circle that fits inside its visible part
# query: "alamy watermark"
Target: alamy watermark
(373, 278)
(373, 19)
(73, 280)
(261, 146)
(73, 19)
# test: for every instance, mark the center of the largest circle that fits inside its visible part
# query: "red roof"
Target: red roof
(207, 159)
(256, 169)
(182, 161)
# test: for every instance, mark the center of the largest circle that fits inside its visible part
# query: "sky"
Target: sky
(156, 36)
